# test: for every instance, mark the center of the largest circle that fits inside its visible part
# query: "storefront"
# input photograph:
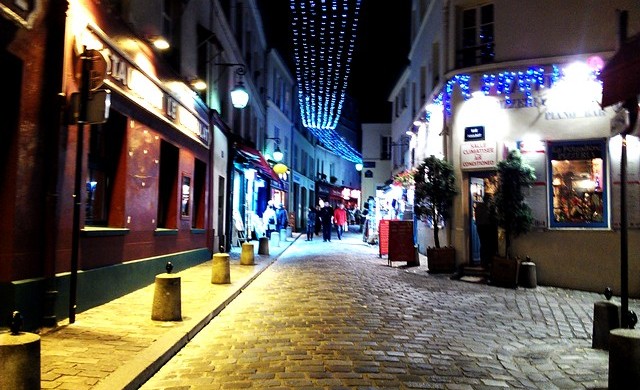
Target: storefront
(146, 188)
(551, 114)
(254, 185)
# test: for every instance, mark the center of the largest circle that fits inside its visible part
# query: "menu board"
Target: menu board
(401, 245)
(383, 237)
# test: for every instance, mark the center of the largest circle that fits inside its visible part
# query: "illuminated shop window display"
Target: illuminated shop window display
(578, 184)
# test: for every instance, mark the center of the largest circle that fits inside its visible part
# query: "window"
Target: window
(578, 190)
(477, 44)
(385, 148)
(168, 186)
(106, 173)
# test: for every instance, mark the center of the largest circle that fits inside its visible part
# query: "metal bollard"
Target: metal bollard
(246, 256)
(528, 276)
(220, 271)
(19, 357)
(263, 246)
(606, 317)
(167, 304)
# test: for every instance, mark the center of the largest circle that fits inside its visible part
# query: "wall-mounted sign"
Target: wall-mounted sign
(22, 12)
(478, 155)
(474, 133)
(368, 164)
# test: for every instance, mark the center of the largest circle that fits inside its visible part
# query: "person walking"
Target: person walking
(318, 224)
(281, 218)
(326, 217)
(311, 223)
(340, 219)
(269, 219)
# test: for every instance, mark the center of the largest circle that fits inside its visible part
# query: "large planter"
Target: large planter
(441, 260)
(504, 272)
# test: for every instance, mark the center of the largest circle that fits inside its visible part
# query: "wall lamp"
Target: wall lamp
(239, 94)
(277, 153)
(159, 42)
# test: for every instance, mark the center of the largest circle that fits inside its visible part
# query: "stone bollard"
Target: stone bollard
(528, 277)
(246, 256)
(167, 304)
(263, 246)
(283, 235)
(624, 359)
(19, 358)
(606, 317)
(220, 271)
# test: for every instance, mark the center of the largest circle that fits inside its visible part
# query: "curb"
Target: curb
(146, 363)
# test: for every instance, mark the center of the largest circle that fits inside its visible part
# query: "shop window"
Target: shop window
(578, 190)
(105, 184)
(168, 187)
(199, 178)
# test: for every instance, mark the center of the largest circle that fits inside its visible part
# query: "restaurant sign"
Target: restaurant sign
(478, 155)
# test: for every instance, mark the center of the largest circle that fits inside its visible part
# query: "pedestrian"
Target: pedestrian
(340, 219)
(269, 219)
(326, 218)
(281, 218)
(318, 225)
(311, 223)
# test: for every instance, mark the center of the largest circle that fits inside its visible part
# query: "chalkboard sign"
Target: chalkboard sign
(383, 237)
(401, 245)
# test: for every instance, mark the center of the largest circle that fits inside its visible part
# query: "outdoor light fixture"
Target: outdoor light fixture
(359, 167)
(239, 94)
(199, 84)
(277, 153)
(159, 42)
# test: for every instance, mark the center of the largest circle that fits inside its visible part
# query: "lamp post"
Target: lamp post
(239, 94)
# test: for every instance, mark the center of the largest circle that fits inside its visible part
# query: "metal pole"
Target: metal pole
(624, 252)
(77, 196)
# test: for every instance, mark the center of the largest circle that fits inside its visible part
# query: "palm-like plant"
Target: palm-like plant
(434, 192)
(513, 214)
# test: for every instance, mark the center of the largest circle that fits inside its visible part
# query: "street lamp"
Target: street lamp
(277, 153)
(239, 94)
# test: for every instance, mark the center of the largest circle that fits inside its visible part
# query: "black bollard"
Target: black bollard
(15, 324)
(169, 267)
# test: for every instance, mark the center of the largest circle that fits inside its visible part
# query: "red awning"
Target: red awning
(256, 160)
(621, 76)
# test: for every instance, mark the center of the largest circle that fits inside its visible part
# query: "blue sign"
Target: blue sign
(474, 133)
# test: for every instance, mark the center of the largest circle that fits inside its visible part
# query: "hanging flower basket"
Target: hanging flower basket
(405, 178)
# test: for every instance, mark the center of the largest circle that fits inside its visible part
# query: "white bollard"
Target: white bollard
(167, 305)
(220, 270)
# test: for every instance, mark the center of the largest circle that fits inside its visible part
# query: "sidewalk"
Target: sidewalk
(118, 346)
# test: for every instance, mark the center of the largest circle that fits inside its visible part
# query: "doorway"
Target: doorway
(483, 236)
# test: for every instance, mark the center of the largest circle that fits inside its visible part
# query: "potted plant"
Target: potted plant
(434, 193)
(513, 214)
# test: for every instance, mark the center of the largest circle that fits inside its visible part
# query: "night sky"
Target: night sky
(380, 55)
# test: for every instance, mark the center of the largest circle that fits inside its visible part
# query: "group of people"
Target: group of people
(274, 219)
(323, 219)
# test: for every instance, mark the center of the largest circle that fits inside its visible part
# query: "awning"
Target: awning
(256, 160)
(621, 76)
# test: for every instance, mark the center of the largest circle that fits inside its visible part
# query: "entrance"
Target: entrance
(483, 226)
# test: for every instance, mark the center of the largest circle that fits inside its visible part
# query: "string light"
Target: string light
(324, 33)
(503, 84)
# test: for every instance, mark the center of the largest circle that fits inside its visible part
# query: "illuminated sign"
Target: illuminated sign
(129, 79)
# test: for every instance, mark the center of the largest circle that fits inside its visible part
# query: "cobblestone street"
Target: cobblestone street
(334, 315)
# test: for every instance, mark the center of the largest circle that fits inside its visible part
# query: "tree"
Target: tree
(512, 212)
(434, 192)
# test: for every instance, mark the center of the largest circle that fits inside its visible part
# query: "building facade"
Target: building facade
(481, 84)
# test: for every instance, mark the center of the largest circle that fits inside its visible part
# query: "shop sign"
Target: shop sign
(474, 133)
(478, 155)
(131, 80)
(22, 12)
